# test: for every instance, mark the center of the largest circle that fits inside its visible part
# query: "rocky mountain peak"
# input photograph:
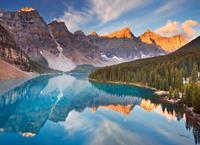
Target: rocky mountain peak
(79, 33)
(123, 33)
(168, 44)
(149, 36)
(29, 31)
(60, 26)
(26, 9)
(94, 33)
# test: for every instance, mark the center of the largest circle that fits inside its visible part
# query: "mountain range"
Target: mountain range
(30, 44)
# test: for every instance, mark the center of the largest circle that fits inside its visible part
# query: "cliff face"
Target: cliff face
(75, 46)
(169, 44)
(29, 31)
(11, 53)
(123, 33)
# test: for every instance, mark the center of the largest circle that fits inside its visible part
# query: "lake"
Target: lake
(67, 109)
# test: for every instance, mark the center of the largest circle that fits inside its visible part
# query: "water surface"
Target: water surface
(67, 109)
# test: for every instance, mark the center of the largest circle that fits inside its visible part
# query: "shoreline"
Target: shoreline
(162, 96)
(124, 83)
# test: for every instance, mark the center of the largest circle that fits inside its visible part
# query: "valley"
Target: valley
(98, 72)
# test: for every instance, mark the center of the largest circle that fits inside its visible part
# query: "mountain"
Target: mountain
(75, 46)
(94, 33)
(168, 44)
(156, 72)
(122, 45)
(54, 46)
(123, 33)
(13, 62)
(29, 31)
(101, 50)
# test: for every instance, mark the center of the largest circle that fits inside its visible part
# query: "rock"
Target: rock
(29, 31)
(11, 53)
(26, 9)
(123, 33)
(168, 44)
(94, 33)
(75, 46)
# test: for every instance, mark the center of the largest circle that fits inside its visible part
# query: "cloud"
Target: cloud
(170, 28)
(101, 11)
(186, 28)
(169, 6)
(73, 18)
(108, 10)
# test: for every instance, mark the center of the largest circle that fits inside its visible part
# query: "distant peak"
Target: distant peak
(26, 9)
(122, 33)
(94, 33)
(126, 29)
(149, 31)
(79, 32)
(56, 23)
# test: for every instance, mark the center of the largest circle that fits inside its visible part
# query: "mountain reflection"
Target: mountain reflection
(26, 108)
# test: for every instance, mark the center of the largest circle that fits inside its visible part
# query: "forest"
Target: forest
(178, 73)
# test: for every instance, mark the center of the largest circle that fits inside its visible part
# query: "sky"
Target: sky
(165, 17)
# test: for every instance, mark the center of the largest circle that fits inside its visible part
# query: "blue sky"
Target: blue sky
(166, 17)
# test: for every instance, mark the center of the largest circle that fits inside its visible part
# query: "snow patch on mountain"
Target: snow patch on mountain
(60, 62)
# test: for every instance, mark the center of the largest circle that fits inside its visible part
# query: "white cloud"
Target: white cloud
(170, 28)
(108, 10)
(188, 28)
(102, 11)
(169, 6)
(73, 18)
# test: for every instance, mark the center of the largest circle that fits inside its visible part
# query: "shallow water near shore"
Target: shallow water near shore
(67, 109)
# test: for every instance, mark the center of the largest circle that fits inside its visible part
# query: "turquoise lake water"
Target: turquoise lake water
(67, 109)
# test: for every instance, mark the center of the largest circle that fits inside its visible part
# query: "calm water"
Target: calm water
(69, 110)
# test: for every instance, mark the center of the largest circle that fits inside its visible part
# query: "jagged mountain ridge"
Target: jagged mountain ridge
(43, 43)
(123, 33)
(75, 46)
(123, 45)
(168, 44)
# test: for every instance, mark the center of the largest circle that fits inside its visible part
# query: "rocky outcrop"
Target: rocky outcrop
(29, 31)
(168, 44)
(75, 46)
(94, 33)
(123, 33)
(11, 53)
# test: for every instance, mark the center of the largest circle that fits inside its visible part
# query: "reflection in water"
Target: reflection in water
(59, 99)
(124, 109)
